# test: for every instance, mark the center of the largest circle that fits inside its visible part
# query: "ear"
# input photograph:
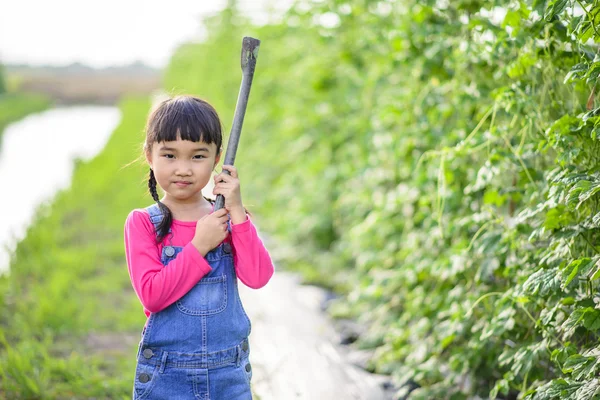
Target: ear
(148, 158)
(217, 158)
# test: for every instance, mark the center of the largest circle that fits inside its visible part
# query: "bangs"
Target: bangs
(186, 118)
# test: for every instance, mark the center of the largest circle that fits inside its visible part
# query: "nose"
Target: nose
(184, 168)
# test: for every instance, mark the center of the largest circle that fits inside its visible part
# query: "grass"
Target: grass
(68, 282)
(14, 106)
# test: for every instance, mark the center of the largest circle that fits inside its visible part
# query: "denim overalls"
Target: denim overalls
(197, 348)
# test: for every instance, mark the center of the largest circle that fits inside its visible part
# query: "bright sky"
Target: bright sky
(108, 32)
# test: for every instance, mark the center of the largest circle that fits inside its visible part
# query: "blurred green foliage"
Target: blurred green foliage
(14, 106)
(437, 163)
(69, 319)
(2, 80)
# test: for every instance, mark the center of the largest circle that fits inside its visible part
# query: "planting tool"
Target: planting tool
(249, 54)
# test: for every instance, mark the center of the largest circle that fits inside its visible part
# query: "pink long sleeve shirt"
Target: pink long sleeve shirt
(158, 287)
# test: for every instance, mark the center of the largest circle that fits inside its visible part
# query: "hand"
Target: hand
(211, 230)
(228, 185)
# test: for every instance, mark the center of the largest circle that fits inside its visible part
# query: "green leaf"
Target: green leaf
(542, 282)
(575, 268)
(557, 218)
(589, 390)
(595, 270)
(512, 19)
(577, 72)
(585, 31)
(493, 197)
(555, 389)
(524, 359)
(554, 7)
(578, 366)
(567, 301)
(587, 194)
(501, 386)
(591, 319)
(582, 191)
(587, 317)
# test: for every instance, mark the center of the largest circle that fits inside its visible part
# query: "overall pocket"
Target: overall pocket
(207, 297)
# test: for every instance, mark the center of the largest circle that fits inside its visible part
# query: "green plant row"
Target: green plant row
(14, 106)
(2, 80)
(69, 319)
(437, 164)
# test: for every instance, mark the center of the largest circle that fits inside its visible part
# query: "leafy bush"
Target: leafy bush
(2, 80)
(436, 162)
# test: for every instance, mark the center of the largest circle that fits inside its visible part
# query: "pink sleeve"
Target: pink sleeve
(252, 262)
(156, 286)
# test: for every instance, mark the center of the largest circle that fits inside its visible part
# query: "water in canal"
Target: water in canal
(36, 160)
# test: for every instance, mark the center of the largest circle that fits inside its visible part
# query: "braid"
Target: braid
(152, 186)
(165, 224)
(208, 199)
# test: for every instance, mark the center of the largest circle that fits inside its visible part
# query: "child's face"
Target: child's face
(182, 168)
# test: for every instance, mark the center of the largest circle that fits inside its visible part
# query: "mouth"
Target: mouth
(182, 183)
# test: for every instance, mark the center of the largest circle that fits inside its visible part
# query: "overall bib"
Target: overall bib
(197, 348)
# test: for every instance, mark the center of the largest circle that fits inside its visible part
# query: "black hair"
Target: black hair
(181, 117)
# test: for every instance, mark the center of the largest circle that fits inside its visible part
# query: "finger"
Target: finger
(224, 192)
(232, 170)
(224, 178)
(220, 212)
(225, 185)
(224, 218)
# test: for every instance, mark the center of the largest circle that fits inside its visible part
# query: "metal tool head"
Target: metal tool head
(249, 52)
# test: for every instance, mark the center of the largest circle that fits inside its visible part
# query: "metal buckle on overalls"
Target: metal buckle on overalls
(163, 362)
(239, 355)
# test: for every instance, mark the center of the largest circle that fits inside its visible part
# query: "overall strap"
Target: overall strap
(156, 216)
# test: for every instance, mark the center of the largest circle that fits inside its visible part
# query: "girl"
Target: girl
(184, 261)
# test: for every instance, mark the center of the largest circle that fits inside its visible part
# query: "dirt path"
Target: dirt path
(294, 349)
